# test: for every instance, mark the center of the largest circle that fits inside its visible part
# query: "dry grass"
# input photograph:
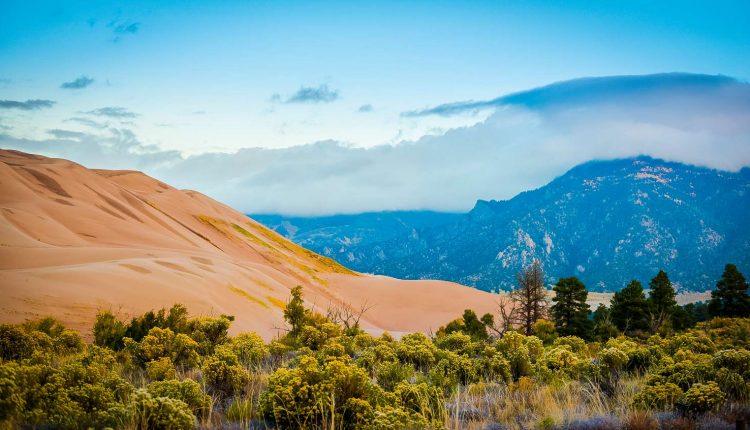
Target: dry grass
(525, 404)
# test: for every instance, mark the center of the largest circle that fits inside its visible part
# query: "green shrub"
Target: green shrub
(15, 344)
(224, 375)
(161, 369)
(394, 418)
(160, 343)
(249, 348)
(701, 398)
(733, 385)
(109, 331)
(388, 374)
(312, 393)
(417, 349)
(159, 413)
(658, 397)
(187, 391)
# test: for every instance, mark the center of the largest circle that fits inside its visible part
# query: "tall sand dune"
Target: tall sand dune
(74, 241)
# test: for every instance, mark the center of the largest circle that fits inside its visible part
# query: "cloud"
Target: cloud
(77, 84)
(321, 94)
(113, 112)
(522, 145)
(121, 28)
(35, 104)
(365, 108)
(66, 134)
(87, 122)
(590, 91)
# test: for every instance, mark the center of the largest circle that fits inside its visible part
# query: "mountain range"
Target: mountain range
(606, 222)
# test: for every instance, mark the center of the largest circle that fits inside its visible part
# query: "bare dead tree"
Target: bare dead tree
(530, 298)
(507, 313)
(346, 315)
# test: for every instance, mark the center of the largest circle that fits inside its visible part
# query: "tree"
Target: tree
(530, 298)
(629, 309)
(294, 312)
(570, 311)
(604, 328)
(730, 298)
(661, 300)
(470, 324)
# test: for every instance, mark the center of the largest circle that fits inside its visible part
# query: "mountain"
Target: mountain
(74, 241)
(340, 236)
(604, 221)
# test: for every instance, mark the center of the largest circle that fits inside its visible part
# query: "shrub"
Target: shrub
(160, 343)
(389, 374)
(161, 369)
(417, 349)
(109, 331)
(658, 397)
(312, 394)
(701, 398)
(733, 359)
(545, 331)
(14, 343)
(224, 375)
(249, 349)
(395, 418)
(732, 384)
(187, 391)
(148, 412)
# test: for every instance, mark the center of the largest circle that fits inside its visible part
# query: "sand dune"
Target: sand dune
(75, 240)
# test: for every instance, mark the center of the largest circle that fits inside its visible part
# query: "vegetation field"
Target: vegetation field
(165, 370)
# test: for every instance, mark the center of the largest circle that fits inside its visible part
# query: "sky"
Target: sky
(311, 108)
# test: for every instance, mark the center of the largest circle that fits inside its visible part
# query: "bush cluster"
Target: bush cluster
(165, 370)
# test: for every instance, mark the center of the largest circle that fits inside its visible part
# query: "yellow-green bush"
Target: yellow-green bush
(661, 396)
(146, 412)
(161, 369)
(702, 398)
(188, 391)
(223, 373)
(314, 393)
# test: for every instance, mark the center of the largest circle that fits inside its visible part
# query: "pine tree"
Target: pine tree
(570, 311)
(661, 300)
(530, 298)
(730, 298)
(629, 309)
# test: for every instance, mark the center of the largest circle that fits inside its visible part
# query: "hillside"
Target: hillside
(604, 221)
(74, 241)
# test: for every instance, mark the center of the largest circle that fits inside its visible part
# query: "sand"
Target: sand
(75, 241)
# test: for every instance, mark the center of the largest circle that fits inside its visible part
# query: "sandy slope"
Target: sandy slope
(75, 240)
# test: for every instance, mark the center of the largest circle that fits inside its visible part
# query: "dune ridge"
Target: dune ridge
(74, 241)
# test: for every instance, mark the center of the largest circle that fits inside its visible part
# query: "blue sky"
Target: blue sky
(186, 79)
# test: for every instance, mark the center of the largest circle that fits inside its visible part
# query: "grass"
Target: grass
(248, 296)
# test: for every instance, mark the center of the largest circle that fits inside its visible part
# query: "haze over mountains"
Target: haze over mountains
(604, 221)
(74, 241)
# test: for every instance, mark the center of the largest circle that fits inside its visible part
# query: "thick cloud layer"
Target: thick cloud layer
(530, 138)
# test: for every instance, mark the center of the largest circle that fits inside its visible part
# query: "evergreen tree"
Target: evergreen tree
(529, 299)
(661, 300)
(570, 311)
(629, 309)
(294, 312)
(730, 298)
